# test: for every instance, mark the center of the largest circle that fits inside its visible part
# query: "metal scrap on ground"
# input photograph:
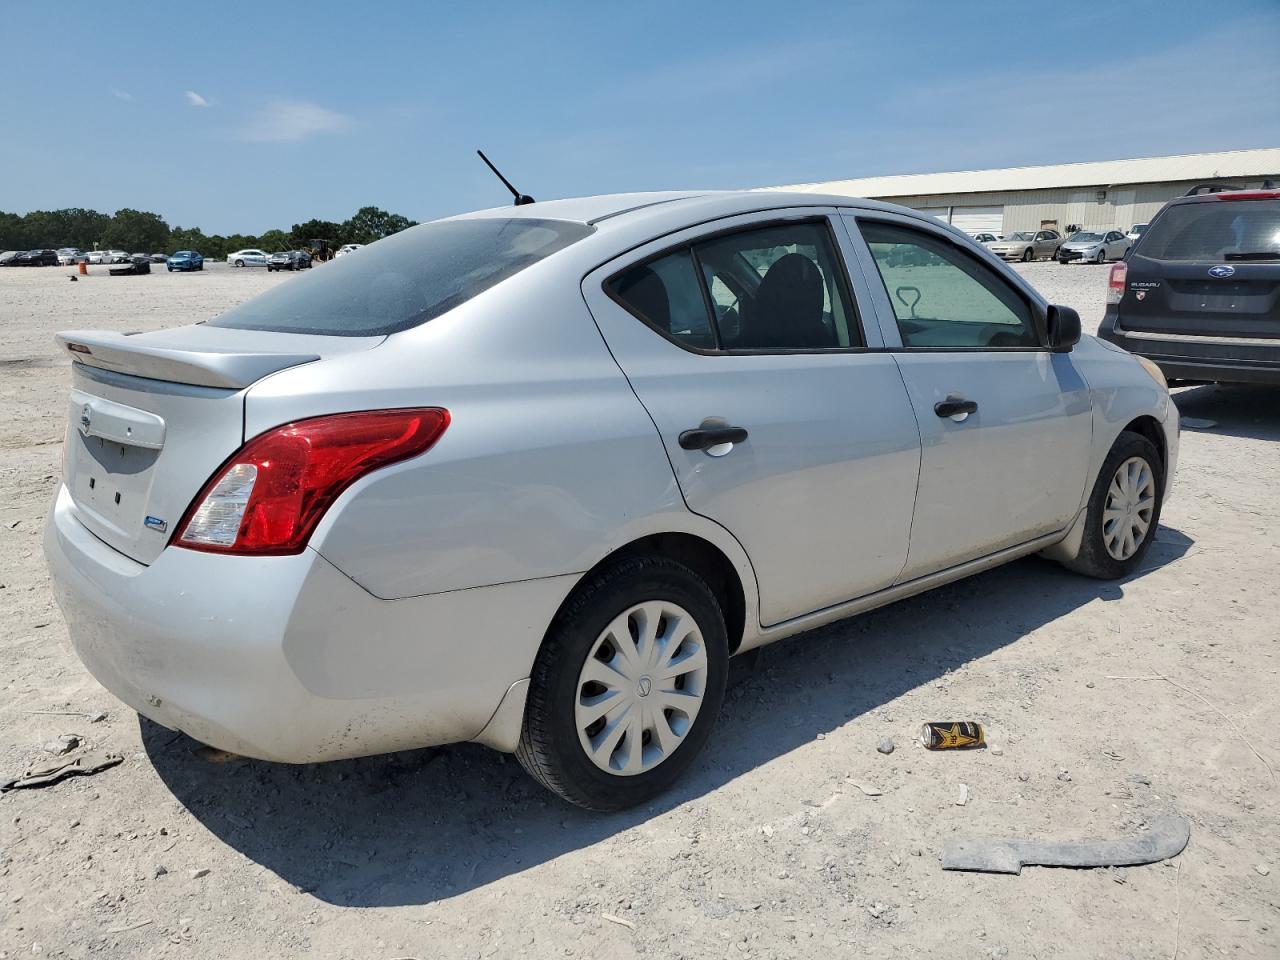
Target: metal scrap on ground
(1167, 837)
(45, 774)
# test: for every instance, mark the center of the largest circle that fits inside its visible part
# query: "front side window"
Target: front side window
(942, 297)
(774, 288)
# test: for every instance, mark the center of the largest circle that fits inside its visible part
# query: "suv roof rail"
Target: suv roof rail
(1202, 188)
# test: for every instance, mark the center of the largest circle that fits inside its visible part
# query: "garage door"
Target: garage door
(978, 219)
(940, 212)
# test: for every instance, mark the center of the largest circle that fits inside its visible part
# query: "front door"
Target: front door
(1005, 424)
(744, 343)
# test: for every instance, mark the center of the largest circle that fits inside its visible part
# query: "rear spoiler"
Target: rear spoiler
(122, 353)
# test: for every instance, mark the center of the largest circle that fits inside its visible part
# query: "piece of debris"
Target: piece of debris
(214, 755)
(996, 749)
(64, 744)
(953, 735)
(1197, 423)
(962, 797)
(876, 909)
(869, 789)
(1112, 755)
(619, 921)
(160, 870)
(1064, 776)
(767, 830)
(1024, 776)
(98, 717)
(199, 872)
(1262, 869)
(45, 774)
(886, 746)
(131, 926)
(1141, 778)
(1166, 838)
(917, 851)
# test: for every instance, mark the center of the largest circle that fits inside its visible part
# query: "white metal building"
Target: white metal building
(1100, 196)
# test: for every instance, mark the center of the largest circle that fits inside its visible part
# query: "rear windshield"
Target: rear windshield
(1215, 230)
(405, 279)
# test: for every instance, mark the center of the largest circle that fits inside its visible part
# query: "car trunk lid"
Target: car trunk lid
(152, 416)
(1208, 267)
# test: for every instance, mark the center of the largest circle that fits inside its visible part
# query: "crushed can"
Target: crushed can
(953, 735)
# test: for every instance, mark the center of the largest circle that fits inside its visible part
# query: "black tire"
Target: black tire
(1093, 559)
(1028, 255)
(549, 747)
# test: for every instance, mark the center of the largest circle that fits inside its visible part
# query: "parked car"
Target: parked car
(370, 513)
(247, 258)
(1199, 292)
(985, 238)
(71, 255)
(185, 260)
(1026, 245)
(9, 258)
(97, 257)
(349, 248)
(37, 258)
(1095, 246)
(158, 258)
(289, 260)
(1137, 230)
(115, 256)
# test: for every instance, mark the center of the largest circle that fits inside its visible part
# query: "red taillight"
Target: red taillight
(1115, 284)
(268, 498)
(1247, 195)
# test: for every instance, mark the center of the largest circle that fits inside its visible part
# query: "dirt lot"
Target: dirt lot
(767, 849)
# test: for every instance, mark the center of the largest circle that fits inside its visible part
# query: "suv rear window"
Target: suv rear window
(406, 279)
(1215, 230)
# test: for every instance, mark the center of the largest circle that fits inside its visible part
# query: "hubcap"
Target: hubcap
(1131, 501)
(641, 688)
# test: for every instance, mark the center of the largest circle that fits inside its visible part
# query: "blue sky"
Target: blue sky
(243, 117)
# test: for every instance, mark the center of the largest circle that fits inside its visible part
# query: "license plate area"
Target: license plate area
(112, 480)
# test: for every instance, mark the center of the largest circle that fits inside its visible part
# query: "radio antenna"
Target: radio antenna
(521, 198)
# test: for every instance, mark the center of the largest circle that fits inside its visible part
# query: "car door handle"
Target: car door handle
(704, 438)
(954, 406)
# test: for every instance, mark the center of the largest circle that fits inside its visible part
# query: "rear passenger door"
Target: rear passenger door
(782, 418)
(1005, 424)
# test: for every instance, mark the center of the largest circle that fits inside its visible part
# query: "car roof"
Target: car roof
(670, 210)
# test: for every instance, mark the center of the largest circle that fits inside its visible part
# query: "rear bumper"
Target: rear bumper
(1220, 359)
(286, 658)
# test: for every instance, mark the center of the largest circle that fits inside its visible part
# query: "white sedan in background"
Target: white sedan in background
(349, 248)
(247, 258)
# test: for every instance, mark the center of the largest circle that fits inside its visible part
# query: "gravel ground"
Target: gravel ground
(768, 848)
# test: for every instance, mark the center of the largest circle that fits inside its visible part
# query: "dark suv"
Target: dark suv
(1199, 292)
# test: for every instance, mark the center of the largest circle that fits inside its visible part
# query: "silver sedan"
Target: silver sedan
(531, 476)
(1094, 246)
(1027, 245)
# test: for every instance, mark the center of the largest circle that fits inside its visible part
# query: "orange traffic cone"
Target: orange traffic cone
(84, 269)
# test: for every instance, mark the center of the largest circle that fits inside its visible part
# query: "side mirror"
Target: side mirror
(1063, 328)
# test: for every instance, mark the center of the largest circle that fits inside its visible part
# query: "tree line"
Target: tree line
(139, 231)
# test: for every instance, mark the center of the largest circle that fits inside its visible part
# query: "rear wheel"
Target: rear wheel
(627, 685)
(1124, 510)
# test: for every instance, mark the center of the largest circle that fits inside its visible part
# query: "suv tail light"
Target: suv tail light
(1115, 284)
(268, 498)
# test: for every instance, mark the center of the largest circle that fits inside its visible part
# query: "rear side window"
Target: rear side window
(1215, 230)
(406, 279)
(774, 288)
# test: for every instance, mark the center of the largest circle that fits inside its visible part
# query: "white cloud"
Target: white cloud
(196, 100)
(288, 121)
(122, 95)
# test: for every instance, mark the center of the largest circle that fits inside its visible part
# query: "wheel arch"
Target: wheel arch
(1149, 427)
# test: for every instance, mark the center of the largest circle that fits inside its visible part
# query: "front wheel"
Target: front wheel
(627, 685)
(1101, 257)
(1123, 510)
(1028, 255)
